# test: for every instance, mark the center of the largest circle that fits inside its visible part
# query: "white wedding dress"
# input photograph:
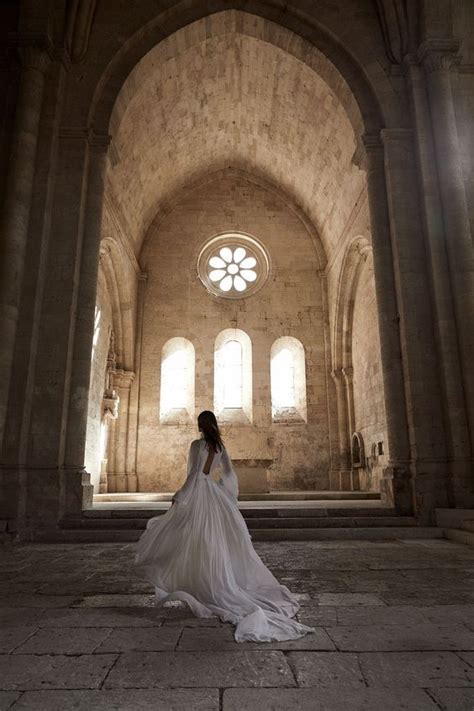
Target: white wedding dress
(200, 552)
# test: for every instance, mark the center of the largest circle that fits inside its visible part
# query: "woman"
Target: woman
(200, 551)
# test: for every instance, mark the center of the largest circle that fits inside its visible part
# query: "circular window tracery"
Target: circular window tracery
(233, 265)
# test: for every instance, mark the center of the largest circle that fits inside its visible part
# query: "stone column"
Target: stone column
(344, 435)
(418, 346)
(397, 487)
(134, 402)
(16, 206)
(449, 362)
(438, 57)
(84, 326)
(124, 480)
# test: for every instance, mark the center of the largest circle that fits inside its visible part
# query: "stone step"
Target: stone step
(271, 496)
(274, 511)
(389, 533)
(468, 525)
(254, 522)
(459, 536)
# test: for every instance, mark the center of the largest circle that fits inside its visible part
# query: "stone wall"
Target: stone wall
(177, 304)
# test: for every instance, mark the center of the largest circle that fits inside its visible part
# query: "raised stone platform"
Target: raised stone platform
(123, 517)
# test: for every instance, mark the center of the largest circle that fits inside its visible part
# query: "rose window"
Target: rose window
(232, 269)
(233, 265)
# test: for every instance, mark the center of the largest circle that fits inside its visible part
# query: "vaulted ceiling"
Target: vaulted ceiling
(199, 103)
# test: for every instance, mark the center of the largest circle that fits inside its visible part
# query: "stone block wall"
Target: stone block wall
(177, 304)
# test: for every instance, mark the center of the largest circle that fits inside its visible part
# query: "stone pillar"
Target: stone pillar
(84, 325)
(438, 57)
(54, 482)
(418, 346)
(397, 487)
(449, 362)
(124, 480)
(345, 478)
(16, 207)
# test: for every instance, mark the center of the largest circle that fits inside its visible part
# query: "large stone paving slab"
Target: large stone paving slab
(454, 699)
(195, 639)
(102, 617)
(148, 639)
(200, 669)
(123, 700)
(7, 698)
(328, 700)
(326, 669)
(11, 637)
(80, 640)
(25, 671)
(390, 638)
(416, 669)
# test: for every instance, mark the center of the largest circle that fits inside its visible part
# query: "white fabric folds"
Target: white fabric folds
(200, 552)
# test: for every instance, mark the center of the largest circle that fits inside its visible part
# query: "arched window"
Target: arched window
(233, 376)
(288, 380)
(177, 381)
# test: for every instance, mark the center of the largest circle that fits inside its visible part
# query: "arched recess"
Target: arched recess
(233, 377)
(342, 367)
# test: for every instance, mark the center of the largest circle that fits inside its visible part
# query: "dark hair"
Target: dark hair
(207, 423)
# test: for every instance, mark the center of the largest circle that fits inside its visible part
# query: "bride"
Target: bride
(200, 551)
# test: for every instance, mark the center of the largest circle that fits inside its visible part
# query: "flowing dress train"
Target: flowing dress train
(200, 552)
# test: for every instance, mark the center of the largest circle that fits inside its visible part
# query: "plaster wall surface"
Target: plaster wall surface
(177, 304)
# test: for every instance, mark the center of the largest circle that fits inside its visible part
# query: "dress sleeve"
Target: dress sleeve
(182, 495)
(229, 478)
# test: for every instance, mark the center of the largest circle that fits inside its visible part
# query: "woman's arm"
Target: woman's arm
(183, 494)
(229, 478)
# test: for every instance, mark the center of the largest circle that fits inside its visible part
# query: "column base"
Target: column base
(396, 489)
(35, 500)
(132, 483)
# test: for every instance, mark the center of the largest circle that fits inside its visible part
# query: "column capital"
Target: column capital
(123, 378)
(371, 151)
(348, 372)
(396, 135)
(34, 57)
(440, 54)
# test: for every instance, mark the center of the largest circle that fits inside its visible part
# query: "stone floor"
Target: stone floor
(394, 630)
